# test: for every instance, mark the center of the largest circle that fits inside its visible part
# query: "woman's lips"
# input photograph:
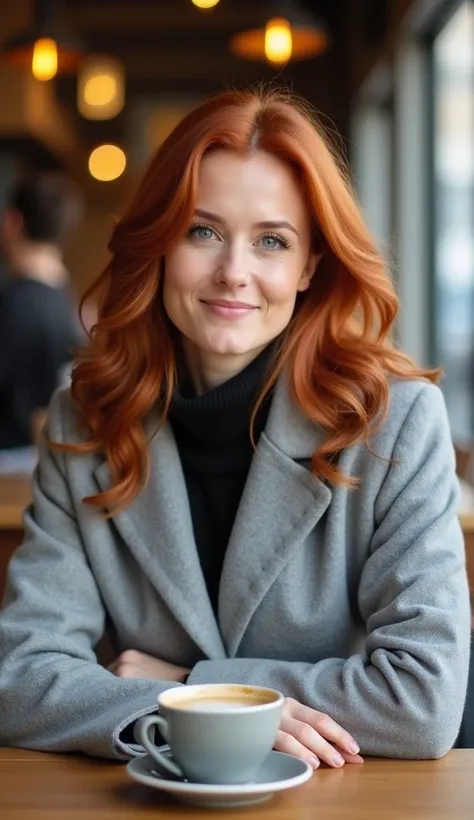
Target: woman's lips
(229, 310)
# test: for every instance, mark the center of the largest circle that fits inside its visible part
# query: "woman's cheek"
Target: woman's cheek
(279, 291)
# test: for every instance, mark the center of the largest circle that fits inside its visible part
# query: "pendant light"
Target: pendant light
(291, 34)
(44, 48)
(205, 4)
(100, 87)
(107, 162)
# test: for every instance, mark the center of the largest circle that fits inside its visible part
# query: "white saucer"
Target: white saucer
(278, 772)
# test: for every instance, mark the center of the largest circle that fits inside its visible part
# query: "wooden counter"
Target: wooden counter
(15, 495)
(37, 786)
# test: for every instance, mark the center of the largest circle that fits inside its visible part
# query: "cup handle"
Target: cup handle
(142, 730)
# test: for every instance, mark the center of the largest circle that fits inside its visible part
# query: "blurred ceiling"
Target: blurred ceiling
(173, 44)
(171, 50)
(172, 47)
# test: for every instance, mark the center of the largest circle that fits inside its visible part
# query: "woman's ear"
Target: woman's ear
(310, 270)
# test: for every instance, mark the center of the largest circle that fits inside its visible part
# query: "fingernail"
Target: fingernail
(314, 762)
(354, 748)
(338, 760)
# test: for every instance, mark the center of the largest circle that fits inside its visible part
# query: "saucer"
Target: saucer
(278, 772)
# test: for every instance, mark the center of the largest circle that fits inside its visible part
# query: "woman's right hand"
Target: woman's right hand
(314, 737)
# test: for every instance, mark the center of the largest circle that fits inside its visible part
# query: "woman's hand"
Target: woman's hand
(314, 737)
(134, 664)
(304, 732)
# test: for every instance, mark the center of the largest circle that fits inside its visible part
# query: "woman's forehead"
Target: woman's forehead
(260, 184)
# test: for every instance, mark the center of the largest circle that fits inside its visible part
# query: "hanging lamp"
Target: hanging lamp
(100, 87)
(107, 162)
(205, 4)
(45, 48)
(290, 34)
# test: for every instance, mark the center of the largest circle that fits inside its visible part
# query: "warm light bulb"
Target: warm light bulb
(278, 40)
(45, 59)
(100, 90)
(100, 87)
(107, 162)
(205, 4)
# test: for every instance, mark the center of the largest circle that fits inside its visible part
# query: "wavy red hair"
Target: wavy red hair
(336, 350)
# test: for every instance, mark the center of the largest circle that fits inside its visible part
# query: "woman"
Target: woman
(243, 298)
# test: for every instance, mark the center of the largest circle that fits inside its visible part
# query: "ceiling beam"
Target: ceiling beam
(164, 16)
(191, 66)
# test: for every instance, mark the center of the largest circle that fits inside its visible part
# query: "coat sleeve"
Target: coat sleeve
(54, 696)
(404, 696)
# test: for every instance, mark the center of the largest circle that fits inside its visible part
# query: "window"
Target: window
(453, 214)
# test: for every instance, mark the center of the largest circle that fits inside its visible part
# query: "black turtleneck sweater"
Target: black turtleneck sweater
(212, 433)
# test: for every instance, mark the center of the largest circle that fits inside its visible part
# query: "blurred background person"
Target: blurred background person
(39, 324)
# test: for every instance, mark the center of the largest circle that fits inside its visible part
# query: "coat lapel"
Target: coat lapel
(157, 527)
(281, 504)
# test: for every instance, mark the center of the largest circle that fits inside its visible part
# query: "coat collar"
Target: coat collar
(281, 503)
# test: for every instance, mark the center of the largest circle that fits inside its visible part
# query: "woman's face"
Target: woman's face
(231, 282)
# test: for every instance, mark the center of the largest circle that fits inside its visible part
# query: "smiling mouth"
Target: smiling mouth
(228, 305)
(229, 310)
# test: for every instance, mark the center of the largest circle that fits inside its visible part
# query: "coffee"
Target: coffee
(221, 704)
(218, 698)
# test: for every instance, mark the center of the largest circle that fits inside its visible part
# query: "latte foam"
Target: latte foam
(221, 704)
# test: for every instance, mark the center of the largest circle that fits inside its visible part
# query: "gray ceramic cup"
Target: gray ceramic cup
(217, 732)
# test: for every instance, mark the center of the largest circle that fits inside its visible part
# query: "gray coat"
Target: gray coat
(353, 602)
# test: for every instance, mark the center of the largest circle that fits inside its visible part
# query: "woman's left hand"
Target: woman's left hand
(134, 664)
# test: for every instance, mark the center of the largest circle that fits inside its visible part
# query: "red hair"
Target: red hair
(336, 350)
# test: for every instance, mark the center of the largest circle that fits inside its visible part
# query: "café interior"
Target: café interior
(91, 88)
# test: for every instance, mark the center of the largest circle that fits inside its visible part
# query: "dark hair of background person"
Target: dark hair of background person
(49, 204)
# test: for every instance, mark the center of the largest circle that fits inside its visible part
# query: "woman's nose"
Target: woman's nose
(234, 270)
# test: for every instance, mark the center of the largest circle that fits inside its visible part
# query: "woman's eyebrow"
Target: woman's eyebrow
(209, 215)
(271, 224)
(277, 224)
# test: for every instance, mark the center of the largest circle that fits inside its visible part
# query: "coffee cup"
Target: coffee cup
(217, 732)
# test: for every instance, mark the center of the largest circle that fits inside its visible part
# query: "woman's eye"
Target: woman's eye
(273, 243)
(201, 232)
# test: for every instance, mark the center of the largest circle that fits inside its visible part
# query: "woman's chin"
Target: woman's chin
(230, 351)
(228, 347)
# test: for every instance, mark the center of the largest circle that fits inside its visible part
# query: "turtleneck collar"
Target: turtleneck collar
(222, 414)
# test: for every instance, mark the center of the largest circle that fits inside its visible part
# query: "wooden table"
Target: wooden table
(15, 495)
(36, 786)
